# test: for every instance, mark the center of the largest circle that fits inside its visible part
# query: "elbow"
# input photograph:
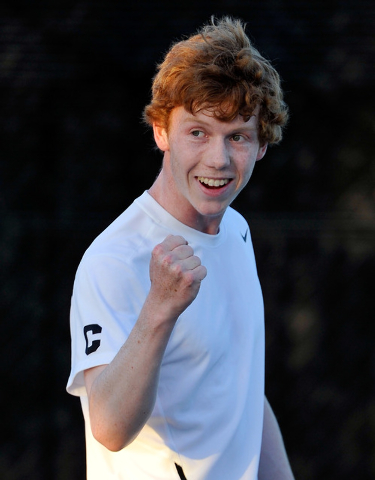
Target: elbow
(112, 445)
(112, 439)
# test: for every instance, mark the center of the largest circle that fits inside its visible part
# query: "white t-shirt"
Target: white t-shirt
(208, 415)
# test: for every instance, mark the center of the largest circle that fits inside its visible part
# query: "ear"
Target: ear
(161, 137)
(262, 151)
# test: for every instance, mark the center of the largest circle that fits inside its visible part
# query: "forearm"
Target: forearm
(122, 396)
(274, 463)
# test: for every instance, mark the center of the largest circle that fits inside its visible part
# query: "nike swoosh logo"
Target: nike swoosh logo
(244, 237)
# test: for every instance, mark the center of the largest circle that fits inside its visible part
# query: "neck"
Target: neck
(181, 209)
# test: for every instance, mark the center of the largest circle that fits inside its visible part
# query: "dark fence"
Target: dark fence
(74, 78)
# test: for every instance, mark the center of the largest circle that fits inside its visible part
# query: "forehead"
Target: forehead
(180, 117)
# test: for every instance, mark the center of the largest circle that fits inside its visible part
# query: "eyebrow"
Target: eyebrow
(244, 127)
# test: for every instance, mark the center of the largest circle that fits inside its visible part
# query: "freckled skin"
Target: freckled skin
(196, 146)
(176, 275)
(201, 146)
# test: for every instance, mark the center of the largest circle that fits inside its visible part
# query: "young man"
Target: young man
(167, 314)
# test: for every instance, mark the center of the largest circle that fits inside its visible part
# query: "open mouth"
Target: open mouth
(214, 182)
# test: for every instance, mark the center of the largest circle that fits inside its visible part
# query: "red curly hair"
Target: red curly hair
(219, 69)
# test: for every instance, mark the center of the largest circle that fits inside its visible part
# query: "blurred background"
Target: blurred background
(74, 78)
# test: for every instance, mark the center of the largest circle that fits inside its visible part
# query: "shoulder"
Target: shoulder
(126, 237)
(234, 217)
(234, 221)
(238, 230)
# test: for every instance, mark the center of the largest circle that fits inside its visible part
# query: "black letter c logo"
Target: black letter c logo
(94, 343)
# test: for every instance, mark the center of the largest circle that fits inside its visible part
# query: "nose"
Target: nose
(218, 154)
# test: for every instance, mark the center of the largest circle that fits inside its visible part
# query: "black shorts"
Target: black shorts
(180, 472)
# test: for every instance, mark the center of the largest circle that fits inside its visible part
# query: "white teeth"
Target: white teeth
(211, 182)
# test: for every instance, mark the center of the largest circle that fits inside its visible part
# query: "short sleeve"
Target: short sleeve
(108, 294)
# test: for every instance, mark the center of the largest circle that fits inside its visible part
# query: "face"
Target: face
(206, 165)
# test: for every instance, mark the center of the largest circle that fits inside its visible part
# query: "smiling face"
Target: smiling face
(206, 165)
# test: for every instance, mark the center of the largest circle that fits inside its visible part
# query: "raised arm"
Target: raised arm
(122, 394)
(274, 464)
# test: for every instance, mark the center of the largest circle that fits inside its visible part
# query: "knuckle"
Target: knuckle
(157, 250)
(177, 269)
(189, 277)
(168, 260)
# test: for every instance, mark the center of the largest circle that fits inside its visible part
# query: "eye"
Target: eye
(237, 137)
(197, 133)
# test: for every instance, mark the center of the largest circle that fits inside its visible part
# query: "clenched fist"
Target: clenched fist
(176, 274)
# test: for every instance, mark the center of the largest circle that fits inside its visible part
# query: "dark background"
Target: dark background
(74, 77)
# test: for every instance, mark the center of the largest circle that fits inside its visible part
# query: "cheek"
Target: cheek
(183, 161)
(246, 166)
(179, 168)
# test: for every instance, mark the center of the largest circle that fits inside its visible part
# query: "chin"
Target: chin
(212, 212)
